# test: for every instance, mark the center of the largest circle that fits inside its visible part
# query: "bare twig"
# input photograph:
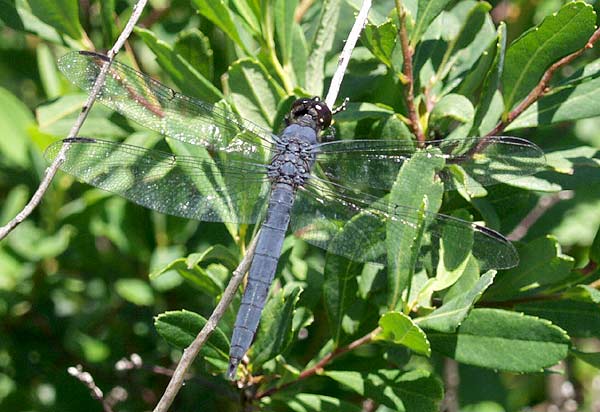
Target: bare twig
(190, 353)
(451, 384)
(60, 158)
(336, 81)
(318, 367)
(409, 82)
(302, 9)
(543, 205)
(542, 88)
(116, 395)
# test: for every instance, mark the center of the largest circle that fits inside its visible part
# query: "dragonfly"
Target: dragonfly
(330, 193)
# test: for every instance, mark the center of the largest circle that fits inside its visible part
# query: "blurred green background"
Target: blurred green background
(74, 286)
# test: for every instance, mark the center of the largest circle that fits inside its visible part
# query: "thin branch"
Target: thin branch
(544, 204)
(451, 383)
(409, 81)
(318, 367)
(116, 395)
(359, 25)
(190, 353)
(60, 158)
(302, 9)
(542, 87)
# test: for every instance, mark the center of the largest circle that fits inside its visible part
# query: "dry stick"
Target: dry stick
(190, 353)
(318, 367)
(359, 25)
(60, 158)
(542, 87)
(409, 86)
(543, 205)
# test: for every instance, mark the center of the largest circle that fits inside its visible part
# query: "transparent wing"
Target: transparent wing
(376, 163)
(199, 188)
(355, 225)
(160, 108)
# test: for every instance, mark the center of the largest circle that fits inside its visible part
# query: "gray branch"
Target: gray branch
(51, 170)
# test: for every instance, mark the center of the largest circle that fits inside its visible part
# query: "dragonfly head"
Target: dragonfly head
(309, 112)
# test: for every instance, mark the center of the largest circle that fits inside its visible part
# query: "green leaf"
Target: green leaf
(34, 244)
(529, 56)
(63, 15)
(216, 252)
(15, 119)
(490, 100)
(542, 265)
(339, 291)
(13, 203)
(451, 108)
(450, 315)
(415, 187)
(183, 74)
(589, 358)
(381, 41)
(181, 327)
(414, 391)
(285, 26)
(568, 160)
(254, 92)
(584, 293)
(57, 117)
(427, 11)
(197, 276)
(194, 47)
(49, 74)
(462, 45)
(217, 12)
(308, 402)
(321, 46)
(109, 24)
(573, 102)
(275, 329)
(135, 291)
(508, 341)
(579, 319)
(398, 328)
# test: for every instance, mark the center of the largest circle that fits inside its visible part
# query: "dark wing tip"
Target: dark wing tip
(507, 256)
(93, 54)
(54, 148)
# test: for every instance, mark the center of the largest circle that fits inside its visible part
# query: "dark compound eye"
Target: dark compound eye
(324, 114)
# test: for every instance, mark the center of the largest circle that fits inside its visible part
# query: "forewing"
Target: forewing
(376, 163)
(355, 225)
(160, 108)
(202, 188)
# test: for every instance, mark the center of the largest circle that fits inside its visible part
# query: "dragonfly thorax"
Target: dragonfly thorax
(294, 156)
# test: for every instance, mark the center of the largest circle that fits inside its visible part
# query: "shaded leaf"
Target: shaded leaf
(194, 47)
(180, 328)
(63, 15)
(321, 46)
(254, 92)
(339, 291)
(427, 11)
(275, 329)
(217, 12)
(199, 277)
(542, 265)
(592, 358)
(497, 339)
(308, 402)
(579, 319)
(414, 391)
(183, 74)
